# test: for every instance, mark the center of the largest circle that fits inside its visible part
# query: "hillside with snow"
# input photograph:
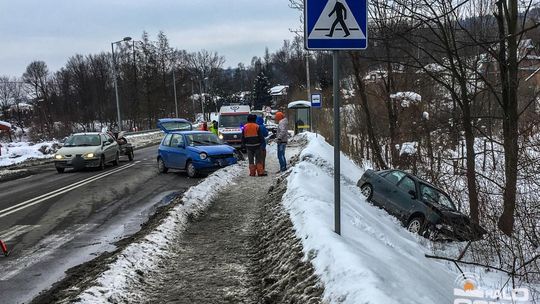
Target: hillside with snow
(375, 260)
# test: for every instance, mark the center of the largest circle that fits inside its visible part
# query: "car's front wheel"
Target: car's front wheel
(60, 170)
(130, 156)
(367, 191)
(416, 225)
(102, 163)
(161, 166)
(190, 168)
(116, 161)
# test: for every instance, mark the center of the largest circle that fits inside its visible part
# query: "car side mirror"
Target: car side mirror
(110, 140)
(412, 193)
(182, 145)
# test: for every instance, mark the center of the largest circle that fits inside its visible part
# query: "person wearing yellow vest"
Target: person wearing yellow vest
(214, 127)
(252, 140)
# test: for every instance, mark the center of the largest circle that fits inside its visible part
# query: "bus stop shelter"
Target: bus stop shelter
(301, 115)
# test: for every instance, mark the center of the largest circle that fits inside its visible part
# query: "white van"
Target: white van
(231, 119)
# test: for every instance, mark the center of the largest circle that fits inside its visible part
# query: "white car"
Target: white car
(86, 150)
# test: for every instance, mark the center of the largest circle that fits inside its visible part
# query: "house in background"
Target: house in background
(279, 95)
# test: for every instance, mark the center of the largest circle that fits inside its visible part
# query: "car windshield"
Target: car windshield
(82, 141)
(232, 121)
(435, 196)
(203, 139)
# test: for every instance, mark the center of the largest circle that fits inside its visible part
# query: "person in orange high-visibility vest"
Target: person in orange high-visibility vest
(252, 140)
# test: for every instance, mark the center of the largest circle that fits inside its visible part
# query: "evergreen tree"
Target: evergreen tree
(261, 91)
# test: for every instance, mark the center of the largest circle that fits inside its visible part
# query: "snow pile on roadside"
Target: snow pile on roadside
(144, 139)
(143, 256)
(375, 260)
(18, 152)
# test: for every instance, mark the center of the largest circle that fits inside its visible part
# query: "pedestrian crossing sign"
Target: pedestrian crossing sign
(335, 24)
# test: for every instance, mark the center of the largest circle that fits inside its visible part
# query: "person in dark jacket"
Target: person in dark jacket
(264, 132)
(282, 137)
(252, 139)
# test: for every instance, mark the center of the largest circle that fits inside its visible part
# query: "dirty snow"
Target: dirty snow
(143, 255)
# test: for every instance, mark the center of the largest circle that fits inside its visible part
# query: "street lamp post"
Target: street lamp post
(116, 81)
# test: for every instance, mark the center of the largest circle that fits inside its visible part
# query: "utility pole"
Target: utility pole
(175, 99)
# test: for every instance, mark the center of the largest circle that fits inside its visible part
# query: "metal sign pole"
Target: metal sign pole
(337, 146)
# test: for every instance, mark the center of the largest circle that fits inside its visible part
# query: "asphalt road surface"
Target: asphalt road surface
(53, 222)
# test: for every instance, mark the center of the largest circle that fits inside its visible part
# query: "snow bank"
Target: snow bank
(18, 152)
(375, 260)
(143, 139)
(144, 255)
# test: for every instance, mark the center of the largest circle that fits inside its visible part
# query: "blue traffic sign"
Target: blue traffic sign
(316, 100)
(335, 24)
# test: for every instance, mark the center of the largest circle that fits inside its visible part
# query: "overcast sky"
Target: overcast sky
(54, 30)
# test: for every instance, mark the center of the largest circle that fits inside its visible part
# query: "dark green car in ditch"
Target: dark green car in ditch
(420, 206)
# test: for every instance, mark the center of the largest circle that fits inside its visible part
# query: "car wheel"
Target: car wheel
(131, 156)
(116, 161)
(161, 166)
(415, 225)
(367, 191)
(102, 163)
(60, 170)
(190, 168)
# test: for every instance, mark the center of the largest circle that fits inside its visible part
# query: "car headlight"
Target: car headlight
(203, 155)
(58, 156)
(89, 155)
(220, 136)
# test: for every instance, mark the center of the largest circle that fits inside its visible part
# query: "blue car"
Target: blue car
(196, 152)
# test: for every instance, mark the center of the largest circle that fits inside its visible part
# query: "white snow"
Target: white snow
(279, 90)
(5, 124)
(143, 255)
(408, 148)
(299, 103)
(406, 98)
(375, 260)
(18, 152)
